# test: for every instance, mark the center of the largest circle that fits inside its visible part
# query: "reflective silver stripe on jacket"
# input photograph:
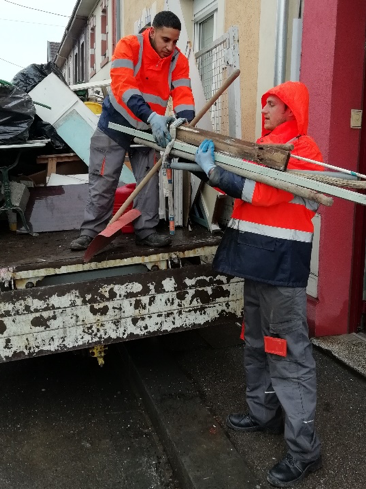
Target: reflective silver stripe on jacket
(248, 190)
(173, 64)
(182, 107)
(181, 82)
(137, 124)
(154, 99)
(128, 94)
(122, 63)
(309, 204)
(128, 63)
(271, 231)
(139, 60)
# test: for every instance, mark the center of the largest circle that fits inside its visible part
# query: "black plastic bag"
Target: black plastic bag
(17, 113)
(44, 130)
(29, 77)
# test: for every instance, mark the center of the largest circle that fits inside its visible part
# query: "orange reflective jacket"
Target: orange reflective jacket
(137, 70)
(269, 236)
(271, 206)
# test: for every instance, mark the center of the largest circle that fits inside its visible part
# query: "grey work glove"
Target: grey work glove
(159, 127)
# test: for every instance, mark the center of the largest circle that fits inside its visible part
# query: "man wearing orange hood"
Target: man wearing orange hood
(268, 242)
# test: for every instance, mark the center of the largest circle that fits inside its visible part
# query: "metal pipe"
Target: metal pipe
(281, 42)
(185, 166)
(332, 167)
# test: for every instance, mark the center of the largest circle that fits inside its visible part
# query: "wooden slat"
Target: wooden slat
(338, 182)
(44, 159)
(274, 156)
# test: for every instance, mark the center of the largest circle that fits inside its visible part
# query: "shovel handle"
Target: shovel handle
(157, 165)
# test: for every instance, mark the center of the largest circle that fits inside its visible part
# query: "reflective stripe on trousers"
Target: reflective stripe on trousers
(105, 166)
(274, 381)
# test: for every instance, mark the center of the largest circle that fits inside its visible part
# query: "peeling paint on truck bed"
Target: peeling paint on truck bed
(148, 293)
(59, 318)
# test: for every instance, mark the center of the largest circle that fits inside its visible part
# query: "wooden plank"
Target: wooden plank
(338, 182)
(51, 166)
(274, 156)
(43, 159)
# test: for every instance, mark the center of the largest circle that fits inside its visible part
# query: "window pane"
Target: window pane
(206, 32)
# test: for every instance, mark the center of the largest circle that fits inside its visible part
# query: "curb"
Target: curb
(199, 451)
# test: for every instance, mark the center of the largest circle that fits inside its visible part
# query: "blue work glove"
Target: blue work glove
(205, 156)
(159, 127)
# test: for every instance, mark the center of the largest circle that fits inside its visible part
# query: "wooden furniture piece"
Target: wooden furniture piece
(52, 160)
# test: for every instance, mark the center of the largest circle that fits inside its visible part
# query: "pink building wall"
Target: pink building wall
(332, 66)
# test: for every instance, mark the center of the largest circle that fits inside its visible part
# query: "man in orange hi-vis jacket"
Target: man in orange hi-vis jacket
(147, 69)
(268, 242)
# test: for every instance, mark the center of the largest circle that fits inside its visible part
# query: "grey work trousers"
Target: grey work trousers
(105, 166)
(276, 383)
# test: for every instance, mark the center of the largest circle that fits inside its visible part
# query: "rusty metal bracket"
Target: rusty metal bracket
(99, 353)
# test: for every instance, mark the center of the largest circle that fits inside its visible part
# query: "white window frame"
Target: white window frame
(208, 11)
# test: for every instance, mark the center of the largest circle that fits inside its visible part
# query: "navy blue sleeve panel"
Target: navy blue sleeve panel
(186, 114)
(228, 182)
(139, 107)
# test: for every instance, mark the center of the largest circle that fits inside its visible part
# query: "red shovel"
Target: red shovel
(109, 233)
(117, 222)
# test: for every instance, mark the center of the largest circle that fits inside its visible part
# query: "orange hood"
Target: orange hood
(296, 96)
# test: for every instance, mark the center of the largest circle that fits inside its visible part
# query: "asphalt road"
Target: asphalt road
(67, 423)
(213, 358)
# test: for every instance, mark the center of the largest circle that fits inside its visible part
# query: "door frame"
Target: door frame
(357, 305)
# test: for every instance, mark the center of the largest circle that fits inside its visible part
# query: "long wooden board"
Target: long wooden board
(272, 155)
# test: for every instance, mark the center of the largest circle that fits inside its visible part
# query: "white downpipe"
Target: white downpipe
(296, 50)
(119, 8)
(281, 42)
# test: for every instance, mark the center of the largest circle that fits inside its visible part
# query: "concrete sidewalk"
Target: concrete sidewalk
(211, 360)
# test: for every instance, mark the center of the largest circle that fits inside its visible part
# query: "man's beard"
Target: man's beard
(152, 42)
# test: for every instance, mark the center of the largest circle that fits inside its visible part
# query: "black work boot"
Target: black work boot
(154, 240)
(81, 243)
(243, 422)
(291, 471)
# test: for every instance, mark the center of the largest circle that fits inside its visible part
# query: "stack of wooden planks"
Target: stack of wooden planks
(262, 163)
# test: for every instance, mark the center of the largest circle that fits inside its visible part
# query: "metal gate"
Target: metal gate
(215, 64)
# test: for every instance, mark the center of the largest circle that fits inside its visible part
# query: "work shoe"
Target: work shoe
(154, 240)
(243, 422)
(291, 471)
(81, 243)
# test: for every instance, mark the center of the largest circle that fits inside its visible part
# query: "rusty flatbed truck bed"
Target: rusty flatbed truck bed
(51, 301)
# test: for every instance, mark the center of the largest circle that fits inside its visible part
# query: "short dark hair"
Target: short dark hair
(165, 18)
(146, 26)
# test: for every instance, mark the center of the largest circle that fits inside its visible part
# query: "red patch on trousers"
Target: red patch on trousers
(276, 346)
(103, 165)
(242, 337)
